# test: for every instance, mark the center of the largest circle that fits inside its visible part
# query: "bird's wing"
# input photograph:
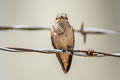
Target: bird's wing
(52, 38)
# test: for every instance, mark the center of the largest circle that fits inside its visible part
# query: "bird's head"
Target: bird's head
(61, 16)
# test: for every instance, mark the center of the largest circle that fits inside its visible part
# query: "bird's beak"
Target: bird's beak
(61, 19)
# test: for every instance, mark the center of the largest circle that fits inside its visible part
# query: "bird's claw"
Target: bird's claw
(91, 52)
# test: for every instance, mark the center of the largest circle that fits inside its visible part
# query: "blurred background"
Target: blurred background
(34, 66)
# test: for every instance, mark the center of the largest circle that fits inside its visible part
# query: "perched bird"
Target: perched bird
(62, 36)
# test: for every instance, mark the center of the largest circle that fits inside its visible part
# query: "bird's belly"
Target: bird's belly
(63, 41)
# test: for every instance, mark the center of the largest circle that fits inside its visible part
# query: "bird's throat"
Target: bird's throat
(62, 27)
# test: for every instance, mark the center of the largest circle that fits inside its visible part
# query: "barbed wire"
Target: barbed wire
(82, 30)
(83, 53)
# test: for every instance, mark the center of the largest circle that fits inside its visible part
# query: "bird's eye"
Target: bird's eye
(67, 18)
(57, 18)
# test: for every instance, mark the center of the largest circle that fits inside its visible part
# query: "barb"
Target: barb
(93, 31)
(84, 32)
(83, 53)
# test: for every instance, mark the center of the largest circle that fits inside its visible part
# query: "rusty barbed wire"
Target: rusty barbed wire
(83, 53)
(82, 30)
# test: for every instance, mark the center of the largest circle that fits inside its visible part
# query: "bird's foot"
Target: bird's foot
(67, 52)
(91, 52)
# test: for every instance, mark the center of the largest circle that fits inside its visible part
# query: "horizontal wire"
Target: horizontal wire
(82, 53)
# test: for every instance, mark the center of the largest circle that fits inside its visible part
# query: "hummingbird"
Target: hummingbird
(62, 37)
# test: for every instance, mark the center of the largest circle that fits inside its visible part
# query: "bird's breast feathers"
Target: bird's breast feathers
(64, 39)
